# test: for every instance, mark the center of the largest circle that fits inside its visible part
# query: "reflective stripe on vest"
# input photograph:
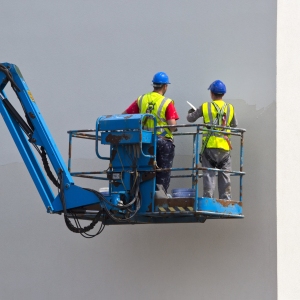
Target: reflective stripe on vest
(216, 140)
(160, 104)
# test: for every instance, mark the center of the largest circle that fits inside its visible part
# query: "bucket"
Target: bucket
(104, 191)
(183, 193)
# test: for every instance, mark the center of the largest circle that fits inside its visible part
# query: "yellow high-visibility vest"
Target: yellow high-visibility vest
(216, 140)
(155, 104)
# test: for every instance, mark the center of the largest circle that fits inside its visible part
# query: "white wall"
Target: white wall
(82, 59)
(288, 74)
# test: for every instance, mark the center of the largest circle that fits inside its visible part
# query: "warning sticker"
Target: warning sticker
(30, 95)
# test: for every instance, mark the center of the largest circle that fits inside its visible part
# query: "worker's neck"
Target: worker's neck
(216, 97)
(161, 92)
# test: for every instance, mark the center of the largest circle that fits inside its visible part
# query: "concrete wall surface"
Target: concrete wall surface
(82, 59)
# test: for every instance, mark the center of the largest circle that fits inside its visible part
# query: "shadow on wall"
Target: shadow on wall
(220, 259)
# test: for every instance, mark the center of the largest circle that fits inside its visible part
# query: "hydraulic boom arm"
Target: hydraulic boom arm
(35, 134)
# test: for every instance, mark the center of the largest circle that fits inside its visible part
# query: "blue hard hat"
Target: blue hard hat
(161, 78)
(217, 87)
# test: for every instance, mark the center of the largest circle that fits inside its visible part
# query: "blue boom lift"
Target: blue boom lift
(132, 197)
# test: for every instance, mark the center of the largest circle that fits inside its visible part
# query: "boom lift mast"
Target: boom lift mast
(131, 173)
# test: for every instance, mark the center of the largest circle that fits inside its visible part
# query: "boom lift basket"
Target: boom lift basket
(132, 160)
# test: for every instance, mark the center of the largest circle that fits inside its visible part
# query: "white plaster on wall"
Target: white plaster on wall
(76, 58)
(209, 258)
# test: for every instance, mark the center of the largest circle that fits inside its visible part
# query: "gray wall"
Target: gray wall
(82, 59)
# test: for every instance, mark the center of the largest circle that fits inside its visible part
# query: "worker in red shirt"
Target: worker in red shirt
(165, 113)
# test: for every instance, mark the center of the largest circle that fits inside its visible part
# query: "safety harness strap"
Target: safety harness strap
(158, 115)
(216, 121)
(214, 164)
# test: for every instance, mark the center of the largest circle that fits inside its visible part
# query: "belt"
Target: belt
(165, 138)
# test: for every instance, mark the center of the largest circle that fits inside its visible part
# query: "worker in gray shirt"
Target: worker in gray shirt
(216, 146)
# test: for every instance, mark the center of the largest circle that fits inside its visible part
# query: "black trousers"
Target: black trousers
(165, 152)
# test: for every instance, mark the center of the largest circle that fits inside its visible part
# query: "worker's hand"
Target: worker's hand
(191, 110)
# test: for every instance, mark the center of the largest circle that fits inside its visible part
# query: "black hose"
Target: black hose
(47, 168)
(9, 77)
(69, 224)
(120, 207)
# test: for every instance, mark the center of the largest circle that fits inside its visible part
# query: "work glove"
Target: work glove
(191, 110)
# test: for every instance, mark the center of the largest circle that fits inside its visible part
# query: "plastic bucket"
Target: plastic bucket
(183, 193)
(104, 191)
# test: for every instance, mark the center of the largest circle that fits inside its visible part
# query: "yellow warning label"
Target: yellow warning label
(30, 95)
(180, 208)
(161, 209)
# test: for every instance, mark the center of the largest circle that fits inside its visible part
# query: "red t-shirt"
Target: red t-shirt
(171, 112)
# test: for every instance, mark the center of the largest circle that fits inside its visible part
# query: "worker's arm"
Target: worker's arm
(132, 109)
(193, 115)
(172, 116)
(234, 122)
(172, 122)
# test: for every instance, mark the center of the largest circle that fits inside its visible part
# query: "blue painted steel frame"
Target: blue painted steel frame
(127, 131)
(74, 196)
(121, 132)
(28, 156)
